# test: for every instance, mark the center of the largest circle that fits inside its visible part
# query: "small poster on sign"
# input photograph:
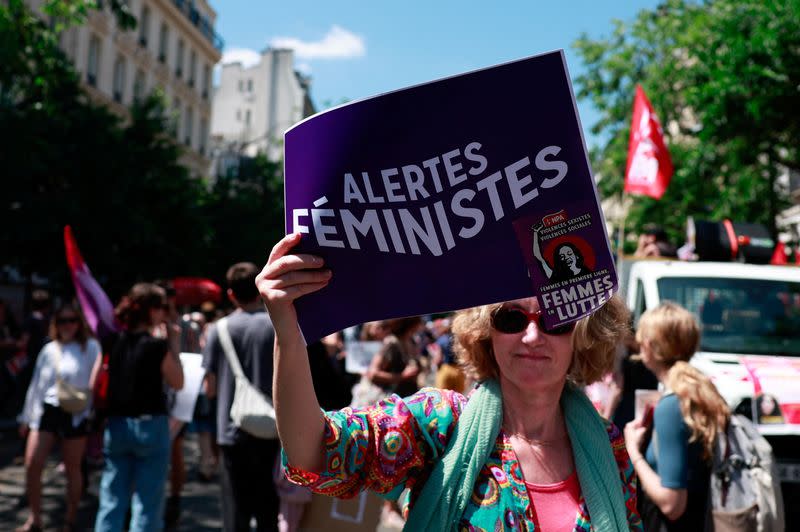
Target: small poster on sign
(464, 191)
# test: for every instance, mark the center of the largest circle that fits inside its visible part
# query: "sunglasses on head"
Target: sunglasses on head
(516, 320)
(64, 321)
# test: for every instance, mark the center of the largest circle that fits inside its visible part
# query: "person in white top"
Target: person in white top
(70, 357)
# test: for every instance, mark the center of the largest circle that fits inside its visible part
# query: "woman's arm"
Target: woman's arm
(671, 501)
(210, 385)
(548, 271)
(35, 394)
(378, 375)
(172, 371)
(285, 278)
(171, 368)
(98, 363)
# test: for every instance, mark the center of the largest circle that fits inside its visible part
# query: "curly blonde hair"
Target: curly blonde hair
(672, 335)
(594, 341)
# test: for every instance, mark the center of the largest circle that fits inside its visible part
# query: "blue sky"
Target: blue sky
(357, 49)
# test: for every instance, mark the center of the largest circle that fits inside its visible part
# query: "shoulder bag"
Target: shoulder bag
(70, 398)
(251, 411)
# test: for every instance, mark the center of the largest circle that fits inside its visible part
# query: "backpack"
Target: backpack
(744, 490)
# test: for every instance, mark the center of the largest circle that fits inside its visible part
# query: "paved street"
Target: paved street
(200, 501)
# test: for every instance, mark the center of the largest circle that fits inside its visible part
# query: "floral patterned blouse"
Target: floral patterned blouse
(394, 444)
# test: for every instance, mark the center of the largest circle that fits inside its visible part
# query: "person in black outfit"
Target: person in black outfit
(10, 346)
(136, 439)
(248, 490)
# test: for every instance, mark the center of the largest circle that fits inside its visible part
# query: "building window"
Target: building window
(206, 81)
(192, 67)
(238, 115)
(144, 27)
(188, 127)
(177, 119)
(203, 134)
(92, 68)
(163, 41)
(247, 117)
(241, 85)
(249, 85)
(119, 79)
(139, 85)
(179, 59)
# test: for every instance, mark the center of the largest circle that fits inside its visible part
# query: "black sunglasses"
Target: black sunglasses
(516, 320)
(64, 321)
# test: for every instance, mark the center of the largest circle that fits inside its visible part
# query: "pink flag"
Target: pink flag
(96, 306)
(649, 164)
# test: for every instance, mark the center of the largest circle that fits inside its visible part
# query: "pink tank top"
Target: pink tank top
(555, 506)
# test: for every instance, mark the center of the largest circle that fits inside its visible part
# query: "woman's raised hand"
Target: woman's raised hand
(287, 276)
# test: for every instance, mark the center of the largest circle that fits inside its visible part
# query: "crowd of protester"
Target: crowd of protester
(445, 356)
(132, 437)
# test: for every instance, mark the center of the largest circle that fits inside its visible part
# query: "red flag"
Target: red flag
(779, 255)
(649, 165)
(97, 308)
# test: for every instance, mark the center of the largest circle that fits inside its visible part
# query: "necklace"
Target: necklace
(540, 463)
(532, 441)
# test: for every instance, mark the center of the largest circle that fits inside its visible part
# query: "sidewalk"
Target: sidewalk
(200, 507)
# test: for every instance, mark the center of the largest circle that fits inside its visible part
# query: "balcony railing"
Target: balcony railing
(200, 22)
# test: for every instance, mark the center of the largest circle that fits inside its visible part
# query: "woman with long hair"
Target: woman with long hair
(674, 467)
(136, 440)
(526, 450)
(67, 360)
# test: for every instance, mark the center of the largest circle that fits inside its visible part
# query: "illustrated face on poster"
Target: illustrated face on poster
(563, 264)
(466, 191)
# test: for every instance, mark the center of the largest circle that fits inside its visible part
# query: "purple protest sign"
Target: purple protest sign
(465, 191)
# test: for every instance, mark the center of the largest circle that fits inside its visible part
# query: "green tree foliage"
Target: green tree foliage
(722, 76)
(245, 212)
(136, 212)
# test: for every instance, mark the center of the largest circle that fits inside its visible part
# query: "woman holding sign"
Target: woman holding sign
(526, 450)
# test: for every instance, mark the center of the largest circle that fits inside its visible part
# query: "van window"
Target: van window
(639, 306)
(741, 316)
